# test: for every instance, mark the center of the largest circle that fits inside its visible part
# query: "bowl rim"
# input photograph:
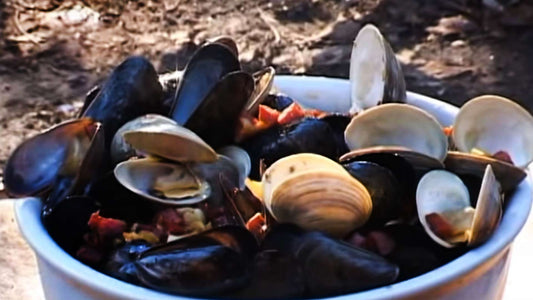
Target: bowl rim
(27, 214)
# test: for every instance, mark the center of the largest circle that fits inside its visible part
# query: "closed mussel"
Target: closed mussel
(208, 264)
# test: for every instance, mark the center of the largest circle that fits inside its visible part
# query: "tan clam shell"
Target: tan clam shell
(492, 123)
(293, 165)
(170, 141)
(315, 193)
(396, 124)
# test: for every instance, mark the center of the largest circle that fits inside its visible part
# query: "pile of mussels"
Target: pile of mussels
(208, 182)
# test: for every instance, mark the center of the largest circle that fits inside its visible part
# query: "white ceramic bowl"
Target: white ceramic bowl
(478, 274)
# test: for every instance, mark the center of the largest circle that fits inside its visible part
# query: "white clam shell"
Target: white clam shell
(491, 124)
(488, 209)
(397, 125)
(170, 141)
(375, 73)
(437, 192)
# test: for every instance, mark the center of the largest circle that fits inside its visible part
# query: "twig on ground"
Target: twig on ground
(30, 37)
(270, 23)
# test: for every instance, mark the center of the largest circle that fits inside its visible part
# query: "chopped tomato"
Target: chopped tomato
(256, 225)
(290, 114)
(267, 114)
(448, 130)
(106, 229)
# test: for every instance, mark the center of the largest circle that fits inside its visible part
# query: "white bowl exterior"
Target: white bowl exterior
(478, 274)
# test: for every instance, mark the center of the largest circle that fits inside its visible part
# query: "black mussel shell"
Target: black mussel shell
(89, 97)
(216, 118)
(473, 166)
(338, 123)
(309, 135)
(211, 173)
(235, 237)
(75, 182)
(226, 41)
(404, 172)
(37, 163)
(278, 101)
(274, 275)
(383, 187)
(330, 266)
(204, 271)
(415, 252)
(206, 264)
(68, 222)
(132, 90)
(121, 261)
(207, 66)
(335, 267)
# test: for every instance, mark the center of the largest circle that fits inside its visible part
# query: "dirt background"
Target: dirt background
(52, 52)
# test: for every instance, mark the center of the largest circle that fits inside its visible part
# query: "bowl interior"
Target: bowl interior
(306, 90)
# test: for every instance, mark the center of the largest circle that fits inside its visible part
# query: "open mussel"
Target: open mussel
(445, 211)
(375, 74)
(315, 193)
(37, 162)
(221, 109)
(62, 160)
(207, 66)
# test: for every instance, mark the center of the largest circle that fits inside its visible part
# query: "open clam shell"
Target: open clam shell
(445, 211)
(120, 150)
(396, 124)
(170, 141)
(375, 74)
(492, 124)
(315, 193)
(162, 182)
